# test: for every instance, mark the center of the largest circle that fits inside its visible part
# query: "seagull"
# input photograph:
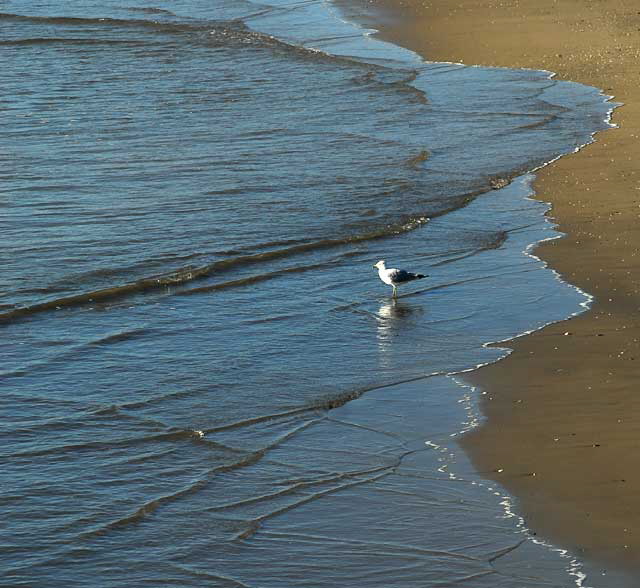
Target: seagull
(394, 277)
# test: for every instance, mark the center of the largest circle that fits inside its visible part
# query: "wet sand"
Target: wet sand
(563, 411)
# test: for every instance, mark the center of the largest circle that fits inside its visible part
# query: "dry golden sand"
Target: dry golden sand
(565, 405)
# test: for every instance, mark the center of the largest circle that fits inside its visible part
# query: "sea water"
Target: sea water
(204, 381)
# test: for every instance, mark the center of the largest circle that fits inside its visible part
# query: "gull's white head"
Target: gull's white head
(380, 265)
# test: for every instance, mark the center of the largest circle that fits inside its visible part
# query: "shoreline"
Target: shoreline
(561, 420)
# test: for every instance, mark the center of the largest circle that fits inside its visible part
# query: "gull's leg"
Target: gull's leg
(395, 291)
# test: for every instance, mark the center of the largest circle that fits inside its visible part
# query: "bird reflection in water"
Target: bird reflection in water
(394, 321)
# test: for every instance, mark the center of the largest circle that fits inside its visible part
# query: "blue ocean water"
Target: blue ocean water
(204, 381)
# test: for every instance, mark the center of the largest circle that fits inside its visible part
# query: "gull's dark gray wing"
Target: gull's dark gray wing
(399, 276)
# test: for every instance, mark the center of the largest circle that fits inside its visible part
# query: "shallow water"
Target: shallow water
(204, 380)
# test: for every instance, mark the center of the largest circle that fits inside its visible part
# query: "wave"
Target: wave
(68, 41)
(245, 459)
(223, 33)
(167, 436)
(184, 276)
(102, 22)
(190, 274)
(146, 509)
(213, 33)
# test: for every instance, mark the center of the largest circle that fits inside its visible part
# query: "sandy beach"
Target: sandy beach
(563, 414)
